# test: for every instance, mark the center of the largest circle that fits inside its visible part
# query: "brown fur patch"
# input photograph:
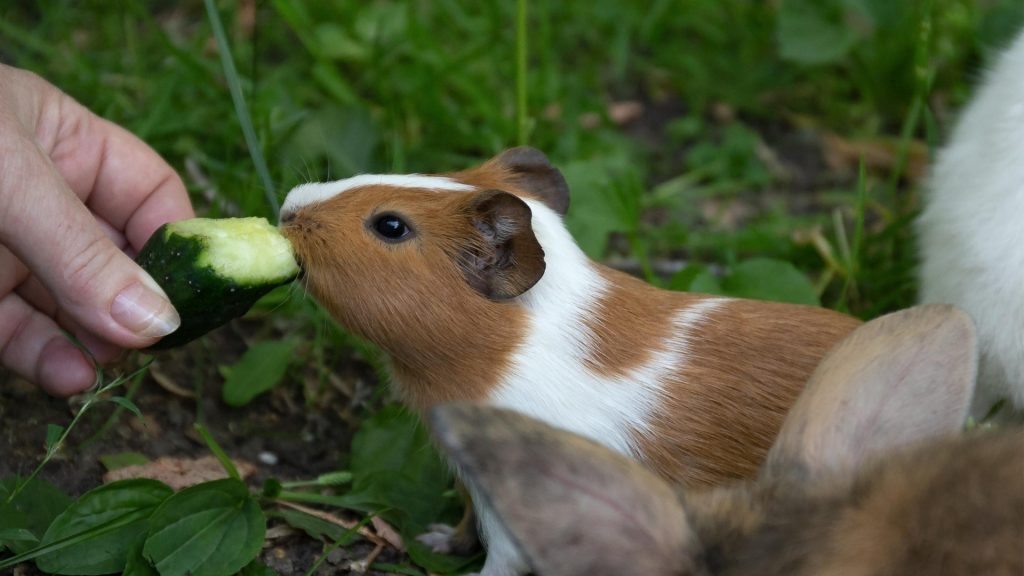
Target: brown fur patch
(951, 507)
(747, 363)
(409, 298)
(630, 323)
(948, 508)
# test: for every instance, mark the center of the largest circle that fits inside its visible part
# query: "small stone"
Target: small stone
(268, 458)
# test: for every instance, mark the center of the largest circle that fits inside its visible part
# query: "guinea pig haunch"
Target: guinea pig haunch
(484, 296)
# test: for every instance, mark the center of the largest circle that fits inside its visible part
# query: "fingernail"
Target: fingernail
(144, 309)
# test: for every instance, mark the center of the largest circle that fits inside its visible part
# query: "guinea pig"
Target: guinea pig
(472, 285)
(869, 476)
(970, 234)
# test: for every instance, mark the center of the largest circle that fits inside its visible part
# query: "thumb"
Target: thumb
(46, 225)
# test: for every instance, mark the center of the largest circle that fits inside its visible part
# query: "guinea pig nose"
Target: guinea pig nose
(287, 216)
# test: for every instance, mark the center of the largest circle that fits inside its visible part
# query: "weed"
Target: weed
(728, 180)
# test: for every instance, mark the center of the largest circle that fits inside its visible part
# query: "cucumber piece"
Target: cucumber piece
(214, 270)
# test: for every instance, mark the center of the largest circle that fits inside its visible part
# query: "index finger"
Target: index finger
(119, 177)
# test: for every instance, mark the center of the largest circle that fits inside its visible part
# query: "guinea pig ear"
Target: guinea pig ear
(505, 259)
(572, 506)
(895, 381)
(534, 173)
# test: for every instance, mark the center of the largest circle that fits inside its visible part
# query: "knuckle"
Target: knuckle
(84, 268)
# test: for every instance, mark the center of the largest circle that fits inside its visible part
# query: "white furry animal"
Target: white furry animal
(971, 232)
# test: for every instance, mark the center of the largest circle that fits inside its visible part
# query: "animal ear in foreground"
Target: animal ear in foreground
(898, 380)
(573, 506)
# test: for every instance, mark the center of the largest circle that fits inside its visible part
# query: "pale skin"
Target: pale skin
(79, 196)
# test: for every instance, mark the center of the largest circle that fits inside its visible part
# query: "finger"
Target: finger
(14, 276)
(120, 178)
(101, 351)
(12, 271)
(36, 295)
(115, 235)
(31, 345)
(48, 228)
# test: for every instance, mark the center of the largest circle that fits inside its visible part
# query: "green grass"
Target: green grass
(724, 168)
(429, 86)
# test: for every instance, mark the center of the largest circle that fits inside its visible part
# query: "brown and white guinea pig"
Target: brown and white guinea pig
(869, 476)
(475, 289)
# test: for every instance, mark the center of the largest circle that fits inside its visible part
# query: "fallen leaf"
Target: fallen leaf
(278, 532)
(179, 473)
(388, 533)
(879, 154)
(723, 113)
(622, 113)
(337, 520)
(167, 383)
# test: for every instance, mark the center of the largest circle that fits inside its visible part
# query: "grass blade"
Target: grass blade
(241, 110)
(522, 124)
(222, 457)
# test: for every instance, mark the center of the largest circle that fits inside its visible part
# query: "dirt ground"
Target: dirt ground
(278, 433)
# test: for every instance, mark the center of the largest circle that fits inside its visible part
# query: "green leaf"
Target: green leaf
(814, 31)
(334, 42)
(101, 527)
(345, 136)
(257, 568)
(271, 488)
(396, 569)
(605, 198)
(394, 465)
(261, 368)
(126, 404)
(336, 478)
(218, 452)
(137, 565)
(315, 527)
(123, 460)
(53, 434)
(705, 282)
(768, 279)
(210, 529)
(685, 278)
(33, 510)
(17, 535)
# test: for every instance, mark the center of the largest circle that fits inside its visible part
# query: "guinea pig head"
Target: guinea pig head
(423, 266)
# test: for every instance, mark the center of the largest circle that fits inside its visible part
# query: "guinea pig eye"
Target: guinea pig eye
(391, 227)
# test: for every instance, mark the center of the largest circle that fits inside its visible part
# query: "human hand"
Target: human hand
(78, 196)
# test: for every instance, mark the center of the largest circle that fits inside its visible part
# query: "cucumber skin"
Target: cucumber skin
(204, 299)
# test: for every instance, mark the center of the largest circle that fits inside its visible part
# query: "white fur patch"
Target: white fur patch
(305, 194)
(970, 231)
(549, 380)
